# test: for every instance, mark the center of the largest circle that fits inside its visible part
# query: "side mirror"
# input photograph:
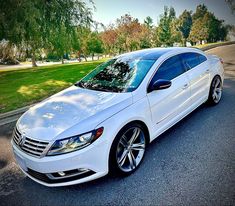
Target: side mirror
(159, 84)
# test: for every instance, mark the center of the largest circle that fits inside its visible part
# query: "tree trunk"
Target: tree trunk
(185, 42)
(79, 56)
(85, 57)
(62, 60)
(92, 56)
(98, 57)
(34, 64)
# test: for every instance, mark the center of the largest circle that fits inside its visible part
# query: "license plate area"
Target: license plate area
(20, 161)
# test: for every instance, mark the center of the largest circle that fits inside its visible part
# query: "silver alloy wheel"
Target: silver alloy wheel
(217, 90)
(130, 149)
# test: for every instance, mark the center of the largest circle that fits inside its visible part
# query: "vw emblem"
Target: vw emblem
(22, 140)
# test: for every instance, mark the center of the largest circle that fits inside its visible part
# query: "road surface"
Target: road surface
(191, 164)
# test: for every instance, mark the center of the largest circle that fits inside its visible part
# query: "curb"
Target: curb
(217, 45)
(14, 115)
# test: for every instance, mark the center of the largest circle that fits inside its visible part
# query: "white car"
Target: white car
(105, 122)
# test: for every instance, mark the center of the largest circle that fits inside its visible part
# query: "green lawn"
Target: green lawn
(24, 87)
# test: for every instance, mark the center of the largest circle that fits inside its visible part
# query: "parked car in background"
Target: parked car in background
(105, 122)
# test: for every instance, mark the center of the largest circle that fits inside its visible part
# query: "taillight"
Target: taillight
(221, 60)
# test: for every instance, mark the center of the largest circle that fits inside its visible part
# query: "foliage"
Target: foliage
(94, 44)
(38, 23)
(184, 24)
(231, 4)
(109, 39)
(164, 30)
(207, 27)
(148, 22)
(59, 28)
(199, 31)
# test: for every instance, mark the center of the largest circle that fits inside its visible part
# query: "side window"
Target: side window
(169, 69)
(202, 58)
(191, 59)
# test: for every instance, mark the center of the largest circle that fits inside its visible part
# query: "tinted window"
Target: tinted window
(170, 69)
(202, 58)
(191, 59)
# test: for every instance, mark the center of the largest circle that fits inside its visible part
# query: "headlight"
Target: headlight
(74, 143)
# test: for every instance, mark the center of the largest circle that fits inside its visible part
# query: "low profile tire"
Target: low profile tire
(215, 91)
(127, 150)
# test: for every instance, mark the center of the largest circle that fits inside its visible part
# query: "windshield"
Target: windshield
(117, 75)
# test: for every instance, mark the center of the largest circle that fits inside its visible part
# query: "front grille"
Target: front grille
(28, 145)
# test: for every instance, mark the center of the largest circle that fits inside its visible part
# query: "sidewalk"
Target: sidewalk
(29, 65)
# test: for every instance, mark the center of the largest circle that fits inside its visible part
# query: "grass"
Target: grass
(22, 87)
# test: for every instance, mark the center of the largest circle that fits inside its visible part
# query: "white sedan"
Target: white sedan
(105, 121)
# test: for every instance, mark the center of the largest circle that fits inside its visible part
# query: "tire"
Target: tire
(215, 91)
(128, 150)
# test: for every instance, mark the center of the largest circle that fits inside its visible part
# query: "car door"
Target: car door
(198, 74)
(168, 104)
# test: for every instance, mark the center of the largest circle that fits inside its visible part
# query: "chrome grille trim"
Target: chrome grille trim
(33, 147)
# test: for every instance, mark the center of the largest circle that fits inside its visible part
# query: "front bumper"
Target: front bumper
(93, 159)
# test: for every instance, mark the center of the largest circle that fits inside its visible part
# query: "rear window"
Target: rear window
(192, 59)
(202, 58)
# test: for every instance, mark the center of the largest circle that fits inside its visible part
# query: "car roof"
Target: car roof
(155, 53)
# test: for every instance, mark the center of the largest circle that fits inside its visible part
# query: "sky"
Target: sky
(107, 11)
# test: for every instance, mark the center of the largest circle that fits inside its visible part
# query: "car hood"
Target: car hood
(70, 112)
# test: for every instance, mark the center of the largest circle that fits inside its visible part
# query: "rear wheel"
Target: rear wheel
(215, 91)
(128, 150)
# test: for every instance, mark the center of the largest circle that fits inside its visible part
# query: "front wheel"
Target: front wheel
(128, 150)
(215, 91)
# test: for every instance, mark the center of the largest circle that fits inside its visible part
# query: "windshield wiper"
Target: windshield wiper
(80, 84)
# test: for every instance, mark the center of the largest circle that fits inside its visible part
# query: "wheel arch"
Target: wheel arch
(145, 127)
(216, 75)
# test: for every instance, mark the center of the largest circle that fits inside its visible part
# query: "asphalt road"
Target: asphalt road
(193, 163)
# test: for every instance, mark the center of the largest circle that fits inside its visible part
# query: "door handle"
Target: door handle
(207, 71)
(185, 86)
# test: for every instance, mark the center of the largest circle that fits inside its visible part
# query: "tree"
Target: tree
(109, 39)
(36, 22)
(148, 22)
(94, 44)
(7, 52)
(184, 24)
(231, 4)
(61, 42)
(209, 27)
(199, 31)
(147, 34)
(164, 32)
(63, 19)
(128, 33)
(84, 35)
(20, 23)
(200, 12)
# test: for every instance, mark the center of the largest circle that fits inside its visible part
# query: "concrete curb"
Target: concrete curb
(12, 116)
(217, 45)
